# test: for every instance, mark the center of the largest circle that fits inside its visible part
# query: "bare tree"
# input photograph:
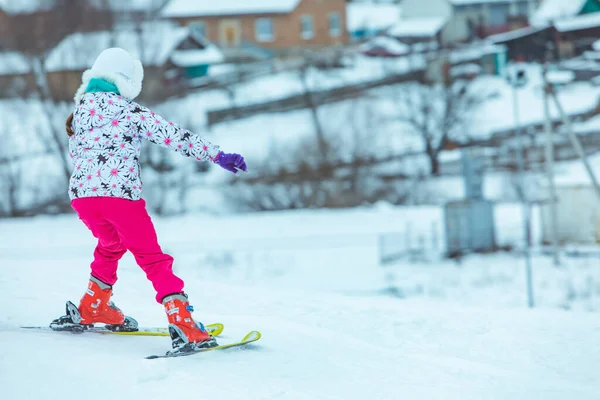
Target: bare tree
(438, 114)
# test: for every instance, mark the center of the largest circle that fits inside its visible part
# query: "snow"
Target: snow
(186, 8)
(578, 23)
(311, 283)
(596, 45)
(209, 55)
(560, 77)
(13, 63)
(24, 6)
(467, 2)
(496, 114)
(371, 16)
(392, 46)
(417, 27)
(131, 5)
(153, 46)
(552, 10)
(466, 69)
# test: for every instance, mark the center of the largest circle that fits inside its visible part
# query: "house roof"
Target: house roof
(371, 16)
(551, 10)
(418, 27)
(580, 22)
(153, 46)
(186, 8)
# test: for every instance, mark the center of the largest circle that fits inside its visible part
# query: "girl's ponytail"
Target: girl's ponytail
(69, 125)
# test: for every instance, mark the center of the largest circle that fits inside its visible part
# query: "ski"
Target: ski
(252, 336)
(213, 329)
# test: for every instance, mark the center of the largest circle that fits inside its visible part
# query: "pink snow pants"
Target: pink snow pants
(121, 225)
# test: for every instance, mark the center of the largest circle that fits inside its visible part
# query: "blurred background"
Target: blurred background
(412, 148)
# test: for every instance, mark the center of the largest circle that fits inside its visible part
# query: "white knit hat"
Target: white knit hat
(118, 67)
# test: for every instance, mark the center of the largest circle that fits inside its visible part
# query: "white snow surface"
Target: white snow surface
(308, 281)
(186, 8)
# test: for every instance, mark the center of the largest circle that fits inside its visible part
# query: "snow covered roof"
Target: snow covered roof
(23, 6)
(369, 16)
(390, 45)
(418, 27)
(467, 2)
(577, 23)
(187, 8)
(13, 63)
(129, 5)
(187, 58)
(551, 10)
(153, 46)
(514, 34)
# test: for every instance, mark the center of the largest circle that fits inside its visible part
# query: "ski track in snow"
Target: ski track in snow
(315, 345)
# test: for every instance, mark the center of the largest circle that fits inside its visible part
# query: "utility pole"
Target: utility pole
(517, 80)
(575, 142)
(550, 169)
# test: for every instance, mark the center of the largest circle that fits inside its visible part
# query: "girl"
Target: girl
(105, 138)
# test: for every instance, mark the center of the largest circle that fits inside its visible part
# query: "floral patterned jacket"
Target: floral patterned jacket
(106, 145)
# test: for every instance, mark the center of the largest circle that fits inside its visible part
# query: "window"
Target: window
(308, 27)
(523, 8)
(335, 24)
(499, 14)
(198, 27)
(263, 30)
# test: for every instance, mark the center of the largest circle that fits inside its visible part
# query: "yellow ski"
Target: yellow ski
(249, 338)
(213, 330)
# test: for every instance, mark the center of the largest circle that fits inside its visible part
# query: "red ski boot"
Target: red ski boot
(186, 334)
(95, 307)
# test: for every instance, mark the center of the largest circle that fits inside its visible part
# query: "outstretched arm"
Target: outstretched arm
(158, 130)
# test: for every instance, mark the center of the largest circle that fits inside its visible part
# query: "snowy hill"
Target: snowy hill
(317, 343)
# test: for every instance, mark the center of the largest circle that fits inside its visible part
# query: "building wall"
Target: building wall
(426, 8)
(287, 27)
(578, 215)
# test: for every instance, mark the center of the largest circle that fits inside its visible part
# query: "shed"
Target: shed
(578, 214)
(469, 226)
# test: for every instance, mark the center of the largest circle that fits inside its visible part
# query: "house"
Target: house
(467, 20)
(528, 44)
(366, 20)
(559, 29)
(167, 51)
(16, 77)
(270, 26)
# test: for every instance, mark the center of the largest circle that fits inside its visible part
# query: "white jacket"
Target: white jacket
(107, 142)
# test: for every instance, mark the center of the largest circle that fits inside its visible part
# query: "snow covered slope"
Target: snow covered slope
(315, 345)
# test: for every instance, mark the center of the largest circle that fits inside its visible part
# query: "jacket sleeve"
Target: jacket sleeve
(158, 130)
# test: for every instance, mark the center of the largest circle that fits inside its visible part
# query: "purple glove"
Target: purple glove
(231, 161)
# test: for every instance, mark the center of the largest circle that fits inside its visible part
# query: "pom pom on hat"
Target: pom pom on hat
(118, 67)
